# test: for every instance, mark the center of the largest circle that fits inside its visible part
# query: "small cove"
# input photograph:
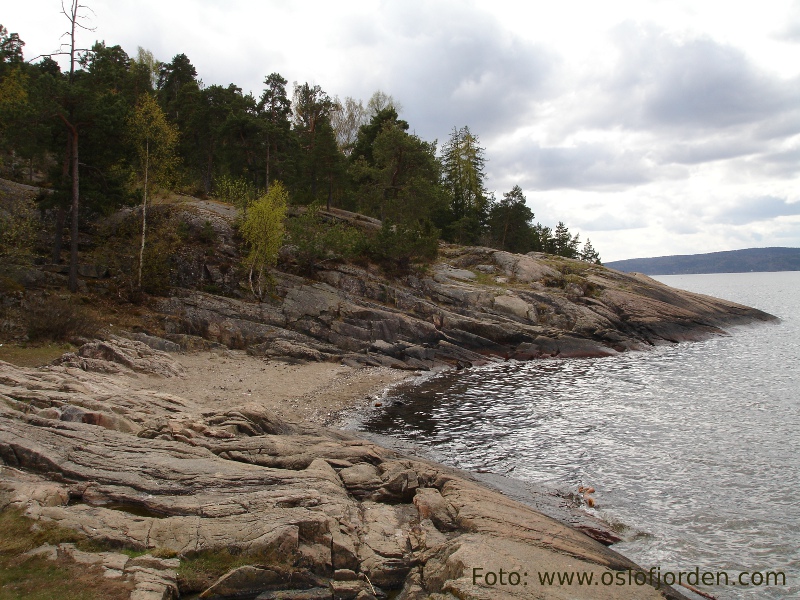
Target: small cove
(693, 447)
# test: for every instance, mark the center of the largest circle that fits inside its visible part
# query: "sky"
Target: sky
(652, 127)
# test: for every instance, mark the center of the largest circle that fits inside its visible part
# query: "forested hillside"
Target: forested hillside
(731, 261)
(114, 130)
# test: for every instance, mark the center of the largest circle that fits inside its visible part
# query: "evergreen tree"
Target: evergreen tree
(369, 132)
(177, 82)
(274, 111)
(510, 223)
(463, 163)
(312, 111)
(543, 240)
(565, 244)
(401, 181)
(589, 254)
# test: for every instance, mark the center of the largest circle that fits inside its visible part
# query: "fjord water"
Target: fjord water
(693, 448)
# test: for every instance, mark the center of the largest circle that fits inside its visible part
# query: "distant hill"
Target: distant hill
(732, 261)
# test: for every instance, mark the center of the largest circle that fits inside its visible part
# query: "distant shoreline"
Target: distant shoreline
(750, 260)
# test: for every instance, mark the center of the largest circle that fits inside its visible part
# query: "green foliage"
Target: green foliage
(316, 241)
(510, 222)
(19, 224)
(263, 232)
(276, 143)
(10, 48)
(198, 571)
(37, 577)
(589, 254)
(565, 244)
(154, 140)
(120, 247)
(217, 138)
(464, 174)
(369, 132)
(397, 247)
(158, 262)
(400, 179)
(33, 355)
(237, 191)
(207, 234)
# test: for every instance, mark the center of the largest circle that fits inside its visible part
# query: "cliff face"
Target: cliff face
(472, 305)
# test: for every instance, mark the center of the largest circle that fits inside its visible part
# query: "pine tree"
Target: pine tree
(589, 254)
(510, 222)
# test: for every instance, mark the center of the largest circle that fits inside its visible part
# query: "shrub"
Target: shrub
(316, 241)
(238, 192)
(56, 319)
(18, 227)
(396, 247)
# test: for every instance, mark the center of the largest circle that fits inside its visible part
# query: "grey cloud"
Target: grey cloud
(751, 210)
(784, 164)
(610, 222)
(585, 166)
(452, 65)
(699, 84)
(711, 149)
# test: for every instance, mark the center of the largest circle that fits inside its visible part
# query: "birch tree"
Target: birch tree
(154, 140)
(263, 232)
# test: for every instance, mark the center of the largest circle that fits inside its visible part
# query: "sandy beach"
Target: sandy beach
(314, 392)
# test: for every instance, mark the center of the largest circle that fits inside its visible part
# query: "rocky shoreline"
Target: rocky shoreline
(316, 513)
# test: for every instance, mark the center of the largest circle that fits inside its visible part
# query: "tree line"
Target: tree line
(105, 132)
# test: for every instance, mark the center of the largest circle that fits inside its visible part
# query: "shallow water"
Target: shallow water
(693, 447)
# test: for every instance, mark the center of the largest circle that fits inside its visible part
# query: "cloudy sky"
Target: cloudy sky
(653, 127)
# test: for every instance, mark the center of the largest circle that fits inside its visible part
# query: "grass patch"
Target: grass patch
(21, 534)
(30, 355)
(199, 571)
(38, 578)
(489, 279)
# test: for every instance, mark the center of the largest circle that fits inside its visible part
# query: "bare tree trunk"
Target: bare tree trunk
(330, 190)
(266, 181)
(73, 242)
(144, 210)
(61, 214)
(61, 217)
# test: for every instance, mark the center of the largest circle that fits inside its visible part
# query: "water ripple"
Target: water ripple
(696, 444)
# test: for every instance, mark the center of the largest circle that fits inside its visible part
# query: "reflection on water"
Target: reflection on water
(696, 444)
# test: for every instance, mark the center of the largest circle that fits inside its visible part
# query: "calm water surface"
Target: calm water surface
(694, 447)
